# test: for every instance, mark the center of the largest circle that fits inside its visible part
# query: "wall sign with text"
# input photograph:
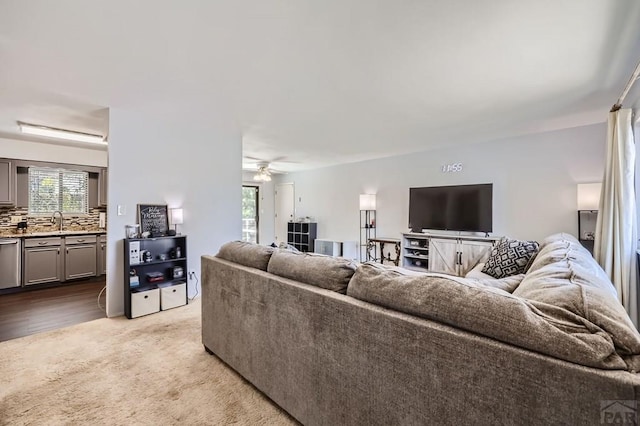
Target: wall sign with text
(451, 168)
(153, 218)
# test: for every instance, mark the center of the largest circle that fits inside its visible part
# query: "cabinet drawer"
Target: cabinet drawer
(42, 242)
(173, 296)
(83, 239)
(145, 303)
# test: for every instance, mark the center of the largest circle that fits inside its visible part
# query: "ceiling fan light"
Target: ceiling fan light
(70, 135)
(262, 176)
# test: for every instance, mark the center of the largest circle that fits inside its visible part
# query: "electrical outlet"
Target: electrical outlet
(16, 219)
(192, 274)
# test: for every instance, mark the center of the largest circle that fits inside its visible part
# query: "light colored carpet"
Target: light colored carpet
(151, 370)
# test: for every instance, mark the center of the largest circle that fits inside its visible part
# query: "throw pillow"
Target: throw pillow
(510, 257)
(247, 254)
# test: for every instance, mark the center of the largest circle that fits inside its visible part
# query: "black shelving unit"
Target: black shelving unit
(302, 235)
(587, 220)
(155, 274)
(367, 232)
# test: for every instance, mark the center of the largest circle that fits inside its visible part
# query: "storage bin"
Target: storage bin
(145, 303)
(173, 296)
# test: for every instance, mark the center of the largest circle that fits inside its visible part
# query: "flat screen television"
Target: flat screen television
(452, 208)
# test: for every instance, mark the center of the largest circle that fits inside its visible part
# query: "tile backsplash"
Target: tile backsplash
(89, 221)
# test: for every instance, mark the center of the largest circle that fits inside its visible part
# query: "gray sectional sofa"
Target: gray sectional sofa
(334, 343)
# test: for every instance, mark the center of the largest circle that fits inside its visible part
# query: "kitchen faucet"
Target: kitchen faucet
(53, 218)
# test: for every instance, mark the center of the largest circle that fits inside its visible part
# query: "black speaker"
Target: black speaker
(171, 232)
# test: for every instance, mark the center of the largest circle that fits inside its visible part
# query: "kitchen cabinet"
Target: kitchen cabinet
(101, 259)
(103, 180)
(7, 182)
(42, 260)
(80, 257)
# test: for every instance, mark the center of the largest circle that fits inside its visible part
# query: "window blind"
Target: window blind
(53, 190)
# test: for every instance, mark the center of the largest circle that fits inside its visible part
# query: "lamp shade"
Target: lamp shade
(367, 201)
(589, 196)
(176, 217)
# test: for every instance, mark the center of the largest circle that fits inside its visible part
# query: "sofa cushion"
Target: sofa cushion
(331, 273)
(565, 281)
(247, 254)
(491, 312)
(510, 257)
(507, 284)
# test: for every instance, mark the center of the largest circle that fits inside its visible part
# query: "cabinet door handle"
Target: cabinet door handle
(80, 241)
(58, 251)
(146, 297)
(67, 251)
(174, 290)
(43, 243)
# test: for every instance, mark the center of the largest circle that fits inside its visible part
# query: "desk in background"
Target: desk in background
(372, 250)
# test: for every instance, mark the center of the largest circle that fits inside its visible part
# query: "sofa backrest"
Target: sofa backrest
(247, 254)
(331, 273)
(568, 287)
(491, 312)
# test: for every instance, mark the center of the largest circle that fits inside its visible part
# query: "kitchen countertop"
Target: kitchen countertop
(36, 234)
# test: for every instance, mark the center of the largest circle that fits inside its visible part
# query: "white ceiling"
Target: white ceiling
(316, 83)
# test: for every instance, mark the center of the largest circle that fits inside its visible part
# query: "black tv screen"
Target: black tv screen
(452, 208)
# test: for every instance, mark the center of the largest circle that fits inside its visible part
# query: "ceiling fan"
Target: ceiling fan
(263, 168)
(263, 174)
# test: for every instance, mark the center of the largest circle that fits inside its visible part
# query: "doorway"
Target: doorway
(284, 210)
(250, 216)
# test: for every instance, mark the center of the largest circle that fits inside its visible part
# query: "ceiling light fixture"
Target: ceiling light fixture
(52, 132)
(263, 175)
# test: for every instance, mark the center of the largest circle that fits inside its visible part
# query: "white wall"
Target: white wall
(181, 156)
(534, 184)
(55, 153)
(266, 230)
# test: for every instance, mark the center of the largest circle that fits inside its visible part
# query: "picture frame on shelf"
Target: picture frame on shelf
(154, 219)
(132, 231)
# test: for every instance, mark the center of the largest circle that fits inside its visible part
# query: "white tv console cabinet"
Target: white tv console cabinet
(449, 254)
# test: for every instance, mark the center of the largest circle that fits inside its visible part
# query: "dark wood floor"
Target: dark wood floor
(35, 311)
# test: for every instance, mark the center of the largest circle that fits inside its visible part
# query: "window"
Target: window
(250, 196)
(62, 190)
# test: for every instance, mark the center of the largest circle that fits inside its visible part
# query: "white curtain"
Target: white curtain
(616, 240)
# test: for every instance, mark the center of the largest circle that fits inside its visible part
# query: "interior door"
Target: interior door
(284, 210)
(443, 255)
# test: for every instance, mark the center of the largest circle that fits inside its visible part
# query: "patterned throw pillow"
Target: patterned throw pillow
(510, 257)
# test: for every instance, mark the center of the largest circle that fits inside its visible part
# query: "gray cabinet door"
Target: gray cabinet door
(473, 252)
(102, 187)
(7, 183)
(443, 256)
(42, 265)
(80, 261)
